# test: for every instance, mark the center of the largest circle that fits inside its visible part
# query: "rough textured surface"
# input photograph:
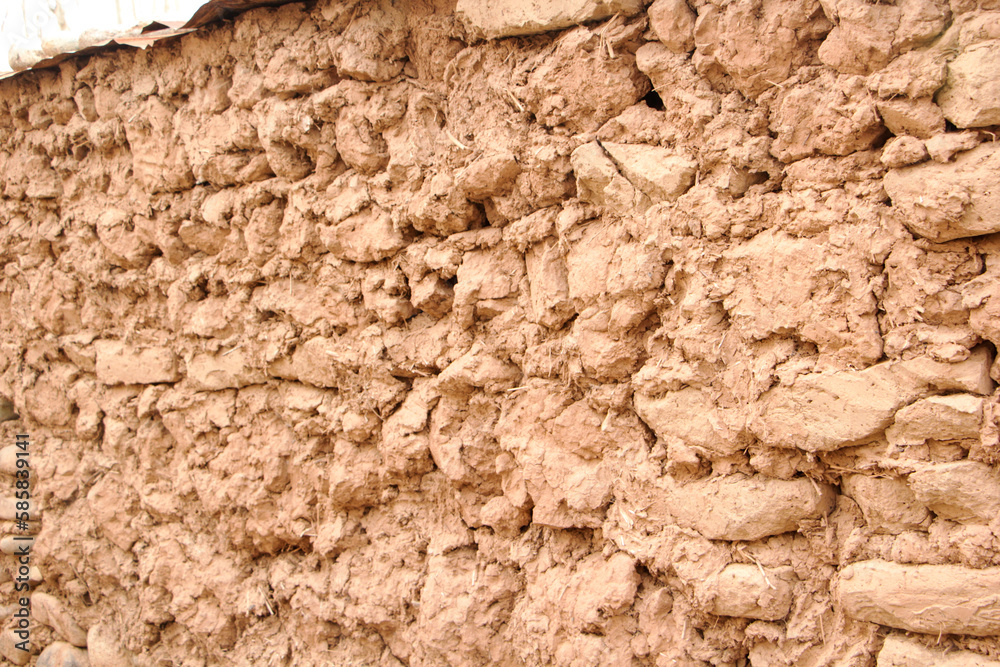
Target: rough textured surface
(526, 17)
(922, 598)
(950, 201)
(898, 651)
(428, 332)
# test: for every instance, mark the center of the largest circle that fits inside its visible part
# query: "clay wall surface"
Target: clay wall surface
(583, 332)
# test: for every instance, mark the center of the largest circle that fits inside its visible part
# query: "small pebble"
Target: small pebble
(16, 544)
(8, 459)
(9, 511)
(9, 650)
(61, 654)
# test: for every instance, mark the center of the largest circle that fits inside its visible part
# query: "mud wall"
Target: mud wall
(601, 333)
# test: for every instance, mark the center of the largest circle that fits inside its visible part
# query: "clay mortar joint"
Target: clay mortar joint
(933, 599)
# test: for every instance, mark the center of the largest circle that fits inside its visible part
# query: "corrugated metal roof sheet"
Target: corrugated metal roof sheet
(40, 33)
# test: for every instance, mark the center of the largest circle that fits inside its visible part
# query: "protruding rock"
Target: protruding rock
(971, 95)
(760, 45)
(9, 509)
(16, 544)
(829, 115)
(599, 182)
(7, 409)
(915, 74)
(936, 599)
(491, 175)
(9, 457)
(548, 284)
(952, 417)
(827, 411)
(888, 504)
(507, 18)
(920, 118)
(432, 295)
(673, 23)
(866, 36)
(903, 151)
(658, 172)
(478, 368)
(964, 491)
(900, 651)
(949, 201)
(368, 236)
(50, 611)
(738, 507)
(946, 145)
(373, 46)
(748, 591)
(690, 416)
(118, 363)
(159, 161)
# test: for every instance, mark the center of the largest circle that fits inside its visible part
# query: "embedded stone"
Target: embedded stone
(963, 491)
(508, 18)
(658, 172)
(971, 94)
(888, 504)
(226, 370)
(61, 654)
(935, 599)
(739, 507)
(949, 201)
(951, 417)
(50, 611)
(830, 410)
(900, 651)
(118, 363)
(748, 591)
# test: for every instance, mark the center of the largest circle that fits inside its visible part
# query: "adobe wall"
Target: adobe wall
(576, 333)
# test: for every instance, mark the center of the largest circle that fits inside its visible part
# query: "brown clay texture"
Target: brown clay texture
(582, 332)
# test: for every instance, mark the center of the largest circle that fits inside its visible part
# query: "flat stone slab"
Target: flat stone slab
(507, 18)
(830, 410)
(900, 651)
(118, 363)
(741, 507)
(952, 417)
(935, 599)
(226, 370)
